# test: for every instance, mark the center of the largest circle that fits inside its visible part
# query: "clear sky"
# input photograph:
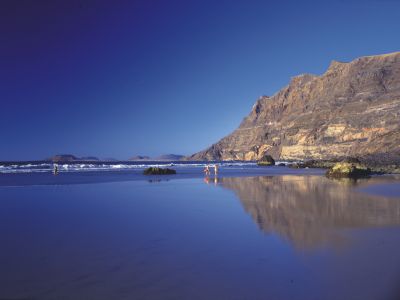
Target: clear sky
(122, 78)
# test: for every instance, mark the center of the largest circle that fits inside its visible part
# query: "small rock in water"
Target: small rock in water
(297, 165)
(348, 170)
(158, 171)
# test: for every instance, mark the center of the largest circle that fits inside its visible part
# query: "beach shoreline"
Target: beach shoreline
(383, 185)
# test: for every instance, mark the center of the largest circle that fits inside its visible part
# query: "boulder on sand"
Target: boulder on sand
(266, 160)
(348, 169)
(158, 171)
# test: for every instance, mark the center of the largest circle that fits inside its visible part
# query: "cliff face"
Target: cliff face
(353, 109)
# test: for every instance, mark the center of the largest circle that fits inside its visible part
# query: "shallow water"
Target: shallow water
(286, 236)
(184, 171)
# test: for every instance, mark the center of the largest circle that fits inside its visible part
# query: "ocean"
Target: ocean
(249, 233)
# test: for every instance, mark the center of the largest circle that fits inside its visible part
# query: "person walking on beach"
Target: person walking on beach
(216, 169)
(207, 170)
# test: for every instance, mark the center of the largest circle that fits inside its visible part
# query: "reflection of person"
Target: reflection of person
(207, 180)
(215, 180)
(207, 170)
(216, 169)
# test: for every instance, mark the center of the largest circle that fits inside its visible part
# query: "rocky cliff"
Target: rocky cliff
(353, 109)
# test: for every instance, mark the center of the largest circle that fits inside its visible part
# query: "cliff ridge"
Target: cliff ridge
(353, 109)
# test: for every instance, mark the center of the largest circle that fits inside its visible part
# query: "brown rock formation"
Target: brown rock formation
(353, 109)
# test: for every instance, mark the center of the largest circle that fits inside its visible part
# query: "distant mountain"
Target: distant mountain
(169, 157)
(139, 157)
(70, 157)
(352, 110)
(63, 158)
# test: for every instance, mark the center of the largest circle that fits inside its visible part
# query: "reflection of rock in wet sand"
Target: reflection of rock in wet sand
(307, 209)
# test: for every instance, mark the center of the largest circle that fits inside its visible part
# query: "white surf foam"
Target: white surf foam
(83, 167)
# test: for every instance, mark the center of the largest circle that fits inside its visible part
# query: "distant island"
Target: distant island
(72, 158)
(169, 157)
(63, 158)
(139, 157)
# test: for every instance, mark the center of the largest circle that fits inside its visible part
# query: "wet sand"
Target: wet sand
(282, 236)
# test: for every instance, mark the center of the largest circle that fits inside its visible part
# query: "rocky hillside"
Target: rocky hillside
(353, 109)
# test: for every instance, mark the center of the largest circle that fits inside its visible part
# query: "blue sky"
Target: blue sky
(122, 78)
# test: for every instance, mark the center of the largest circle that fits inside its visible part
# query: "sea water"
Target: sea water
(276, 233)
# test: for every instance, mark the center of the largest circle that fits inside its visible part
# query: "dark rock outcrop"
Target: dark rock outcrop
(158, 171)
(348, 170)
(352, 110)
(266, 160)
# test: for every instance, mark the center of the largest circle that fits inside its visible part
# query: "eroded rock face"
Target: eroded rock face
(353, 110)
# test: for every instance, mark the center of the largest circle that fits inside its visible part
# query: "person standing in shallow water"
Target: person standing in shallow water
(207, 170)
(55, 169)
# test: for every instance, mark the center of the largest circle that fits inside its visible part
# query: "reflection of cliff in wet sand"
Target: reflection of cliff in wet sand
(307, 210)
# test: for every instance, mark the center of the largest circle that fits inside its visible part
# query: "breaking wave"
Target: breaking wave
(87, 167)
